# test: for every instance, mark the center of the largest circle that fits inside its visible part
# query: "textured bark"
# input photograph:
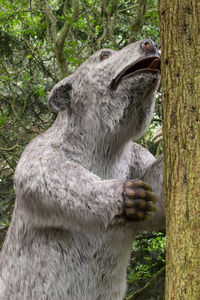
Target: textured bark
(180, 39)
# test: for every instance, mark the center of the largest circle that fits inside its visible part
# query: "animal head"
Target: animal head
(114, 88)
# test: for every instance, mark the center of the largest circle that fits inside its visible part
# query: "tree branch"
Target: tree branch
(11, 148)
(148, 285)
(52, 20)
(139, 21)
(60, 39)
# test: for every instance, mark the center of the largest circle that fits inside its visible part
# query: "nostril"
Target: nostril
(148, 46)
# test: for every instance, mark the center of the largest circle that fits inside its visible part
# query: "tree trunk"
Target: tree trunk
(180, 40)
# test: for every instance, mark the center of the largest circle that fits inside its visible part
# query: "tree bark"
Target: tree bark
(180, 44)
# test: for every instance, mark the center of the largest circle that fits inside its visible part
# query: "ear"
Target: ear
(60, 96)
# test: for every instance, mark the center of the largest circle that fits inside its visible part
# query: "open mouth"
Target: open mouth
(148, 64)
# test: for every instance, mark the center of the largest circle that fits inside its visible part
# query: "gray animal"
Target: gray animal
(83, 188)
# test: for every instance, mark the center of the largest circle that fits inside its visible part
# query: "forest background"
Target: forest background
(42, 42)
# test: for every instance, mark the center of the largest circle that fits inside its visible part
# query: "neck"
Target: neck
(87, 146)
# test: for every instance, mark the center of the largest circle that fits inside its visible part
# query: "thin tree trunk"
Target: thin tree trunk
(180, 40)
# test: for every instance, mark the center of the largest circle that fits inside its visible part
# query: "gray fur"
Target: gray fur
(65, 241)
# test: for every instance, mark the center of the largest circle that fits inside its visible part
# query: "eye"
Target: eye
(104, 54)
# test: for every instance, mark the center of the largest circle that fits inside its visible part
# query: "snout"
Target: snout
(150, 47)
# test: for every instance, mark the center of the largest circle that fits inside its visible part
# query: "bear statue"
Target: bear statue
(83, 188)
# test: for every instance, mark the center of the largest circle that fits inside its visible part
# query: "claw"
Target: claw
(138, 203)
(130, 212)
(151, 197)
(130, 192)
(142, 204)
(129, 184)
(138, 184)
(147, 217)
(140, 215)
(151, 207)
(129, 203)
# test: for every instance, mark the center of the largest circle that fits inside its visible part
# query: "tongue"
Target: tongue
(155, 64)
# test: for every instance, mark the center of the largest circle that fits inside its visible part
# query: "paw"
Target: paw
(138, 200)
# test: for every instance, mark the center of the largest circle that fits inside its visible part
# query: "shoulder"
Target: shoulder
(138, 151)
(141, 158)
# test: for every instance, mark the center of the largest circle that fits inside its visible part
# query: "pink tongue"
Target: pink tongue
(155, 64)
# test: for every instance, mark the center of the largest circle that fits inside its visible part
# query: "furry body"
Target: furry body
(67, 240)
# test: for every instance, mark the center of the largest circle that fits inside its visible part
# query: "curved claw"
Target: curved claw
(137, 183)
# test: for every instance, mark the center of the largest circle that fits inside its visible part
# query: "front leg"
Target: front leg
(74, 198)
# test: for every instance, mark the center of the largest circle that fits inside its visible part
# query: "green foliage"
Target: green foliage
(147, 258)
